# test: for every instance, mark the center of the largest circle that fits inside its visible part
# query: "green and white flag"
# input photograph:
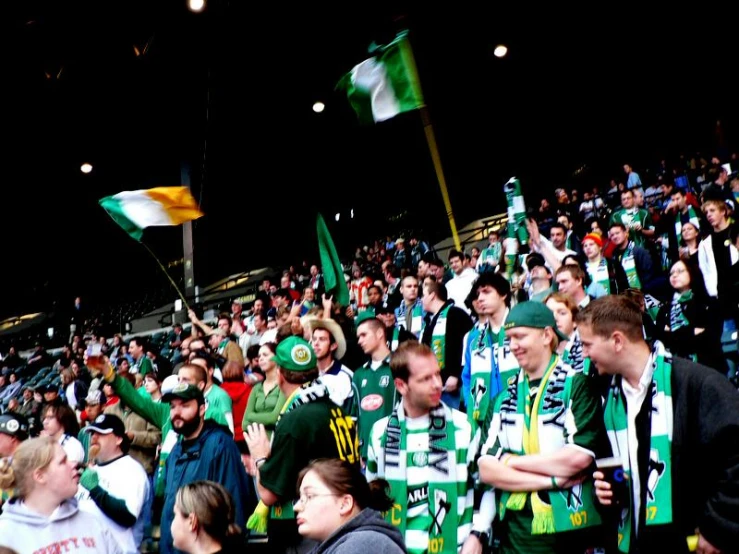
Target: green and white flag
(386, 84)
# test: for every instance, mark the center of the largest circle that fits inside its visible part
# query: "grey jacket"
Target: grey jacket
(367, 532)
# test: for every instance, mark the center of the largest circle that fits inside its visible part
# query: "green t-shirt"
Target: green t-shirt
(318, 429)
(586, 414)
(143, 366)
(629, 218)
(218, 407)
(377, 396)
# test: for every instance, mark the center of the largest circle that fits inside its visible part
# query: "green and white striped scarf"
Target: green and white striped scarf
(677, 313)
(629, 264)
(492, 253)
(659, 474)
(692, 218)
(444, 486)
(516, 223)
(599, 274)
(491, 365)
(522, 429)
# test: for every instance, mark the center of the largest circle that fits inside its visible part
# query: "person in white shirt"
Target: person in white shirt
(115, 486)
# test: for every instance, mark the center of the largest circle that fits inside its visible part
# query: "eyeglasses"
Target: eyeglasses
(307, 497)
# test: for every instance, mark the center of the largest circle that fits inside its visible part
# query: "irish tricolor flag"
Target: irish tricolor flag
(386, 84)
(136, 210)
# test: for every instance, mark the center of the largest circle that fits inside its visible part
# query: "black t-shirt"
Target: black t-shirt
(319, 429)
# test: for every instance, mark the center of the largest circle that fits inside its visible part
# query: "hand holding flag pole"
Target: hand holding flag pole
(136, 210)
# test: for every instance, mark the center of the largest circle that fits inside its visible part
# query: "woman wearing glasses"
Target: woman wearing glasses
(340, 509)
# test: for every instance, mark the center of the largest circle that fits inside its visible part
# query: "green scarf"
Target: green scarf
(629, 264)
(599, 274)
(516, 223)
(491, 365)
(677, 313)
(483, 373)
(531, 431)
(652, 306)
(692, 218)
(438, 336)
(416, 318)
(492, 253)
(573, 354)
(442, 483)
(395, 340)
(659, 475)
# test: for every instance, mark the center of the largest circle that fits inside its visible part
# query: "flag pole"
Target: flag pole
(179, 292)
(428, 129)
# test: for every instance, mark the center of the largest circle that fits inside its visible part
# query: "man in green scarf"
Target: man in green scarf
(674, 424)
(545, 433)
(423, 449)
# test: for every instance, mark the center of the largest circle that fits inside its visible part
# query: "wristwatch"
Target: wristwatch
(259, 461)
(482, 536)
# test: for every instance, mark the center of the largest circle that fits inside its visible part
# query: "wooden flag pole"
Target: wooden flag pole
(164, 269)
(433, 148)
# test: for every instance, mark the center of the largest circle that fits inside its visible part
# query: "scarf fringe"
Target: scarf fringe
(543, 522)
(517, 501)
(258, 520)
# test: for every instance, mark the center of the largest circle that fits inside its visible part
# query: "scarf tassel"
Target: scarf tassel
(543, 522)
(258, 520)
(516, 501)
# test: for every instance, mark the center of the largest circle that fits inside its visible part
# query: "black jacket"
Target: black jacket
(705, 463)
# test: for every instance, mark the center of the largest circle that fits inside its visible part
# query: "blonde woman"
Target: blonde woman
(204, 519)
(43, 512)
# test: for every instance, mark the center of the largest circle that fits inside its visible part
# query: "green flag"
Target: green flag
(333, 274)
(386, 84)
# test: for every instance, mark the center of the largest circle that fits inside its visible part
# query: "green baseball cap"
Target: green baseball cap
(184, 391)
(295, 354)
(533, 314)
(364, 316)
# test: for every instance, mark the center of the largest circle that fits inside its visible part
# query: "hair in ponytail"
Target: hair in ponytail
(213, 507)
(31, 455)
(341, 478)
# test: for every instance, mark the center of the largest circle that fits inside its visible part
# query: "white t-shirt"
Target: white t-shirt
(125, 479)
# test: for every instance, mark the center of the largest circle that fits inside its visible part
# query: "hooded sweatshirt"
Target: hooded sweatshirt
(367, 532)
(65, 530)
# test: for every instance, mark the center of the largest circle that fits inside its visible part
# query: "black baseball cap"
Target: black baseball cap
(14, 425)
(105, 424)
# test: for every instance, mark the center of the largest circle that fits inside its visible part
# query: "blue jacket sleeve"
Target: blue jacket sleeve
(228, 470)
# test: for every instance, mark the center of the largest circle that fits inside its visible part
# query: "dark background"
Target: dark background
(229, 93)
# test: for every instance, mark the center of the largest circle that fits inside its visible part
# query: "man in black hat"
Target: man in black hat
(13, 431)
(206, 451)
(115, 486)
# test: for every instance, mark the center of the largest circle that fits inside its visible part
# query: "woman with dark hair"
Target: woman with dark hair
(60, 423)
(338, 507)
(687, 324)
